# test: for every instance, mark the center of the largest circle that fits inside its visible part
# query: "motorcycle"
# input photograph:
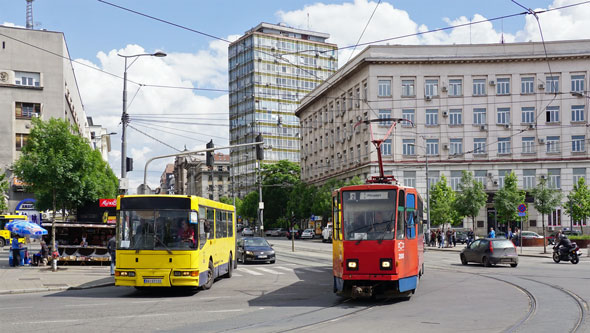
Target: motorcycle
(572, 255)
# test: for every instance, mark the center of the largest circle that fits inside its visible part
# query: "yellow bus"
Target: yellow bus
(5, 234)
(173, 240)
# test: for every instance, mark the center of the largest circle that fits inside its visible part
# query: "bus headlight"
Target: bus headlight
(186, 273)
(352, 264)
(386, 264)
(124, 273)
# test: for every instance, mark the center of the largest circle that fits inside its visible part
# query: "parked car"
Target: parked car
(297, 233)
(278, 232)
(255, 249)
(461, 237)
(269, 232)
(490, 251)
(308, 233)
(501, 234)
(247, 232)
(530, 234)
(551, 238)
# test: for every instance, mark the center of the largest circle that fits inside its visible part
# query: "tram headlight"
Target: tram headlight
(352, 264)
(386, 264)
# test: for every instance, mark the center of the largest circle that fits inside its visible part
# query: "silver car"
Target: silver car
(247, 232)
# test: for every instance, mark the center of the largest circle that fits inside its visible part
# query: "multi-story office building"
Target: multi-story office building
(488, 109)
(194, 177)
(271, 68)
(36, 80)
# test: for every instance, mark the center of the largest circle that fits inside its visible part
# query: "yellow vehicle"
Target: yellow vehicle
(5, 234)
(173, 240)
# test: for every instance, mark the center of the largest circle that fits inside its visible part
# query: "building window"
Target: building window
(503, 145)
(385, 114)
(552, 114)
(528, 115)
(479, 116)
(503, 116)
(554, 219)
(503, 86)
(527, 85)
(479, 87)
(408, 147)
(384, 88)
(455, 180)
(528, 145)
(481, 176)
(578, 145)
(552, 144)
(552, 84)
(27, 79)
(350, 99)
(386, 147)
(456, 87)
(578, 113)
(501, 176)
(579, 173)
(456, 116)
(456, 146)
(479, 146)
(408, 114)
(357, 97)
(528, 179)
(554, 178)
(408, 88)
(365, 91)
(578, 83)
(432, 147)
(431, 117)
(433, 177)
(431, 88)
(21, 140)
(410, 178)
(27, 110)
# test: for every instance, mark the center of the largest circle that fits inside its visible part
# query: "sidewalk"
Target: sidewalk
(529, 251)
(31, 279)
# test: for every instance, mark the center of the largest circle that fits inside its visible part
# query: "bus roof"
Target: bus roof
(13, 217)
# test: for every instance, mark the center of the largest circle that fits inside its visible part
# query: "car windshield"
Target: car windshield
(157, 230)
(369, 215)
(255, 242)
(502, 244)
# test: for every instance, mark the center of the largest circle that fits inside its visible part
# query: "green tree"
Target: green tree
(507, 199)
(4, 186)
(470, 198)
(278, 180)
(249, 207)
(230, 201)
(578, 202)
(546, 200)
(442, 198)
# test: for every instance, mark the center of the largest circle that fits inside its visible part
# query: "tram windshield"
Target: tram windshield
(157, 230)
(369, 215)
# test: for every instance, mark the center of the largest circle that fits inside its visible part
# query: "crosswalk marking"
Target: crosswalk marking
(285, 268)
(278, 270)
(249, 271)
(268, 270)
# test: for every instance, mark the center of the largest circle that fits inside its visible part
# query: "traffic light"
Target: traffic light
(129, 164)
(209, 160)
(259, 148)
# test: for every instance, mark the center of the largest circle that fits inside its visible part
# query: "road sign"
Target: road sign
(522, 214)
(522, 208)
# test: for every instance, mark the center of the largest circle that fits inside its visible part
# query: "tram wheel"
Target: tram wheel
(210, 274)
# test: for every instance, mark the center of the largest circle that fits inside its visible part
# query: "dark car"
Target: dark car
(297, 233)
(255, 249)
(461, 237)
(490, 251)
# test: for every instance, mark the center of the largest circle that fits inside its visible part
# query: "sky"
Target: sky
(196, 63)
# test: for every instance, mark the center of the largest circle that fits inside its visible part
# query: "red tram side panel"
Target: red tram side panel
(378, 241)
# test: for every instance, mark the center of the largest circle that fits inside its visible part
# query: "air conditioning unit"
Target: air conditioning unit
(543, 176)
(541, 86)
(492, 83)
(331, 145)
(445, 113)
(446, 147)
(541, 141)
(490, 174)
(506, 126)
(428, 98)
(444, 89)
(495, 183)
(483, 127)
(531, 126)
(349, 136)
(359, 118)
(342, 140)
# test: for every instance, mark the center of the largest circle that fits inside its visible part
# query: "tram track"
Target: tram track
(582, 305)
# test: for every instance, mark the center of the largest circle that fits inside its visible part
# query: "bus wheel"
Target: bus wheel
(2, 242)
(230, 267)
(210, 274)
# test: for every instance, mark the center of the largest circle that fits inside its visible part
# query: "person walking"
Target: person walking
(440, 238)
(112, 248)
(454, 237)
(15, 247)
(492, 233)
(470, 237)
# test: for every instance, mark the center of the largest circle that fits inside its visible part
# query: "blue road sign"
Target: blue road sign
(522, 208)
(522, 214)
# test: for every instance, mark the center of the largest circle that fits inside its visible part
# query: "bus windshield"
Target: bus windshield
(369, 215)
(157, 230)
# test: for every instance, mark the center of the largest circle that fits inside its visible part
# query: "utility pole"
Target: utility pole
(427, 194)
(260, 203)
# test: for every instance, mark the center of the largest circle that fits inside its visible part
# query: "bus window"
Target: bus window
(400, 215)
(410, 214)
(202, 224)
(219, 224)
(210, 224)
(230, 230)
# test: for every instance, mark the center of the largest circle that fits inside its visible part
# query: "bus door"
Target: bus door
(206, 235)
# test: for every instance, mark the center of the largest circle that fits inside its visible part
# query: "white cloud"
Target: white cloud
(12, 25)
(568, 23)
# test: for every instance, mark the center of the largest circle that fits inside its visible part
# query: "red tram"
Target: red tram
(378, 236)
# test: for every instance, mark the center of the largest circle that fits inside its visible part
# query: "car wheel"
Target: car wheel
(514, 264)
(272, 261)
(210, 274)
(463, 259)
(486, 262)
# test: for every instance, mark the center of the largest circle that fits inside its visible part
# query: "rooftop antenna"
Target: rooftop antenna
(307, 21)
(29, 14)
(502, 39)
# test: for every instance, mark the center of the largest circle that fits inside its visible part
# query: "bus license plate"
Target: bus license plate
(262, 257)
(152, 280)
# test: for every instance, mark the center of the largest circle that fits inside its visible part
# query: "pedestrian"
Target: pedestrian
(432, 238)
(516, 237)
(492, 233)
(112, 248)
(470, 237)
(448, 237)
(440, 238)
(454, 238)
(15, 247)
(510, 234)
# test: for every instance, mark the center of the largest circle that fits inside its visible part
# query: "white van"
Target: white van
(327, 234)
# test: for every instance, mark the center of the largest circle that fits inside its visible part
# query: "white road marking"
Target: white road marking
(285, 268)
(221, 311)
(16, 307)
(268, 270)
(234, 274)
(79, 305)
(242, 269)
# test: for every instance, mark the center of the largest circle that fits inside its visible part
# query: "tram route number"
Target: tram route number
(400, 249)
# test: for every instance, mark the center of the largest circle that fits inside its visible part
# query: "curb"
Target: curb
(41, 290)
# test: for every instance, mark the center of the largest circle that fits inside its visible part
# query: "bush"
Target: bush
(578, 237)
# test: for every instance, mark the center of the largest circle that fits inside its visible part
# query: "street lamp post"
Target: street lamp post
(125, 117)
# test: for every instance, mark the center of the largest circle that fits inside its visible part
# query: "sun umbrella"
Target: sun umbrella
(25, 228)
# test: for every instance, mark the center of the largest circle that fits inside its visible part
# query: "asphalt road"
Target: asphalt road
(295, 294)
